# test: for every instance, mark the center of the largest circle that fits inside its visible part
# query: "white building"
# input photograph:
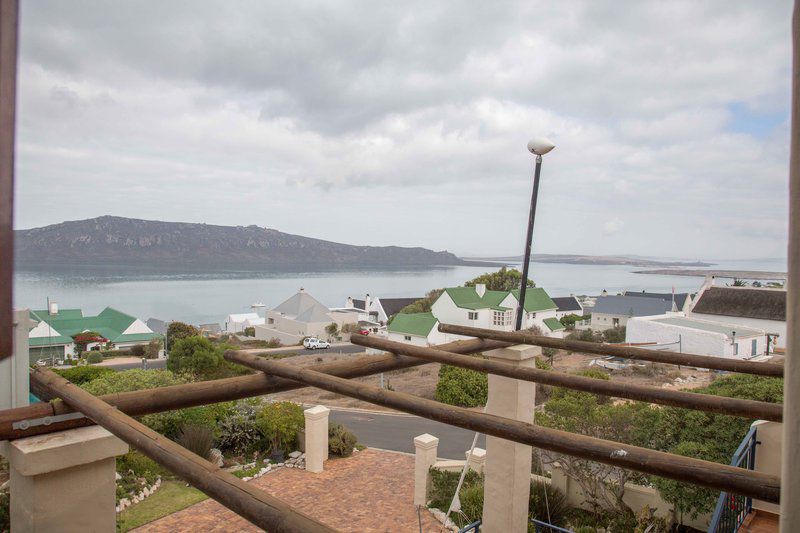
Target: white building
(302, 316)
(676, 332)
(237, 323)
(567, 305)
(752, 307)
(615, 311)
(419, 329)
(379, 310)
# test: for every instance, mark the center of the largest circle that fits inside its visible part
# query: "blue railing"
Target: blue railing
(732, 509)
(544, 527)
(475, 526)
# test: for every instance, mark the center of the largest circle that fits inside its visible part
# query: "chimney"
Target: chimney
(367, 301)
(53, 308)
(709, 281)
(302, 289)
(349, 302)
(480, 288)
(604, 293)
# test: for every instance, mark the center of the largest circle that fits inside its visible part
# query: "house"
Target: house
(567, 305)
(52, 335)
(614, 311)
(302, 316)
(236, 323)
(752, 307)
(419, 329)
(476, 306)
(380, 310)
(210, 330)
(679, 333)
(682, 300)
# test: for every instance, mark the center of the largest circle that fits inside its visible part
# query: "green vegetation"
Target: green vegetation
(197, 439)
(332, 329)
(239, 433)
(83, 374)
(201, 359)
(461, 386)
(588, 335)
(94, 357)
(170, 498)
(180, 330)
(341, 441)
(423, 305)
(279, 423)
(249, 331)
(503, 280)
(569, 320)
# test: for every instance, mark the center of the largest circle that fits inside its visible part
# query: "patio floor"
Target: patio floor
(370, 491)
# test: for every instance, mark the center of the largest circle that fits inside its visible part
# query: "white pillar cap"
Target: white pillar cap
(426, 441)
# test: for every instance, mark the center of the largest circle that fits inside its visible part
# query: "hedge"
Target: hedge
(462, 387)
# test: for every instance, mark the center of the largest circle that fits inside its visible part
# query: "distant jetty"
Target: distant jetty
(737, 274)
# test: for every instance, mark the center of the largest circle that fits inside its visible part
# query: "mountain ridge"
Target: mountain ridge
(112, 240)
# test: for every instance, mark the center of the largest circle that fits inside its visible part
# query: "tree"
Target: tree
(502, 280)
(153, 347)
(738, 283)
(196, 356)
(423, 305)
(84, 338)
(180, 330)
(332, 329)
(687, 498)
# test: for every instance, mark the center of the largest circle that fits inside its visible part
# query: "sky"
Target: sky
(406, 123)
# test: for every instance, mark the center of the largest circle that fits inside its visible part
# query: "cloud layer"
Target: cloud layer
(406, 123)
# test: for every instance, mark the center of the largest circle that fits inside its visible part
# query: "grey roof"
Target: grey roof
(391, 306)
(631, 306)
(715, 327)
(567, 303)
(304, 308)
(211, 328)
(314, 313)
(745, 302)
(680, 297)
(157, 326)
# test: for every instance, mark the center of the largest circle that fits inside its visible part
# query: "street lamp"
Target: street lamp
(537, 146)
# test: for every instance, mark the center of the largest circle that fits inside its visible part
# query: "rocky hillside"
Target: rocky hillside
(125, 241)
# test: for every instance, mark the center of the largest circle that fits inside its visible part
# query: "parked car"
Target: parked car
(313, 343)
(43, 362)
(363, 332)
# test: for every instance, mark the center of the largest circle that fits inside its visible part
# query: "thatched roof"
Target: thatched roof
(745, 302)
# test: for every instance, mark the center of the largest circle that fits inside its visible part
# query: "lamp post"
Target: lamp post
(537, 146)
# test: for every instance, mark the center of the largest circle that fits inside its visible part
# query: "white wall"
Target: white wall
(770, 326)
(601, 321)
(42, 330)
(137, 327)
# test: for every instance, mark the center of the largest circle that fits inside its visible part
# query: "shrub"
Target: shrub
(471, 499)
(153, 347)
(548, 504)
(279, 422)
(461, 386)
(180, 330)
(196, 356)
(239, 433)
(341, 441)
(138, 350)
(443, 486)
(197, 439)
(5, 511)
(141, 466)
(83, 374)
(250, 331)
(94, 358)
(614, 334)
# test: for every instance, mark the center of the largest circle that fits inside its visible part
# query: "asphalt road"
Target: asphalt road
(397, 432)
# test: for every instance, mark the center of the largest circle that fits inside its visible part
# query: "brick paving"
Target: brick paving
(370, 491)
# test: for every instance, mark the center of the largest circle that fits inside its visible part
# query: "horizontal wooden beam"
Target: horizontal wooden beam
(689, 400)
(627, 352)
(256, 505)
(142, 402)
(714, 475)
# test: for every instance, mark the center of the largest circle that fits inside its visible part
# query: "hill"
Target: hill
(110, 240)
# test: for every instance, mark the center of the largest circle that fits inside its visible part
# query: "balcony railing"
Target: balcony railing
(731, 508)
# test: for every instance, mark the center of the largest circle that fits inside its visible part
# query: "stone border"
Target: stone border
(146, 492)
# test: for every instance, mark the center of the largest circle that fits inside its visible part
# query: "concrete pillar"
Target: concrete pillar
(768, 456)
(65, 481)
(14, 381)
(316, 437)
(508, 464)
(477, 460)
(424, 458)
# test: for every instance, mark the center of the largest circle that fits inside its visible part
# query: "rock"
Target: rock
(215, 457)
(295, 454)
(280, 464)
(118, 509)
(247, 478)
(135, 500)
(117, 477)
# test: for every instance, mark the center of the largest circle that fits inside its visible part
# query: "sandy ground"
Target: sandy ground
(421, 381)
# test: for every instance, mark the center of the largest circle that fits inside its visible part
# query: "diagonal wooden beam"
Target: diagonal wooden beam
(714, 475)
(257, 506)
(628, 352)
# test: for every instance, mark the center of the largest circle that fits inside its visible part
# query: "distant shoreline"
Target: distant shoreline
(739, 274)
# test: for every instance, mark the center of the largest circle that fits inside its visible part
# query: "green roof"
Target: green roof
(536, 299)
(553, 323)
(419, 324)
(467, 298)
(109, 323)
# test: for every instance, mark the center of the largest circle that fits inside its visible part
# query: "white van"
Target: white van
(313, 343)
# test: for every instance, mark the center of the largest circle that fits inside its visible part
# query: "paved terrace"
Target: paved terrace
(371, 491)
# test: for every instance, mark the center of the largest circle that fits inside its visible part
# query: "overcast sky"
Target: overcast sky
(406, 122)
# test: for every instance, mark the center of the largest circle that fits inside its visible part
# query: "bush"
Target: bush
(5, 511)
(614, 334)
(83, 374)
(279, 422)
(250, 331)
(180, 330)
(153, 347)
(239, 433)
(196, 356)
(94, 358)
(141, 466)
(548, 504)
(138, 350)
(461, 386)
(341, 441)
(197, 439)
(443, 486)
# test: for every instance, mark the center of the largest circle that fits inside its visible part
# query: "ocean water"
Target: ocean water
(205, 297)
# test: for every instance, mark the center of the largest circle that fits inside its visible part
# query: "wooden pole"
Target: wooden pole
(689, 400)
(628, 352)
(790, 459)
(9, 13)
(686, 469)
(142, 402)
(251, 503)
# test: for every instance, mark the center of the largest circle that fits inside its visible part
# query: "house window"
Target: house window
(754, 347)
(407, 337)
(735, 348)
(615, 321)
(271, 321)
(531, 315)
(501, 318)
(472, 315)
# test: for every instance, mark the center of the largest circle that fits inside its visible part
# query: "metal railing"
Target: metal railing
(544, 527)
(473, 527)
(732, 509)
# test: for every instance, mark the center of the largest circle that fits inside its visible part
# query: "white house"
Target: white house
(237, 323)
(752, 307)
(482, 308)
(616, 311)
(567, 305)
(419, 329)
(679, 333)
(379, 310)
(301, 316)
